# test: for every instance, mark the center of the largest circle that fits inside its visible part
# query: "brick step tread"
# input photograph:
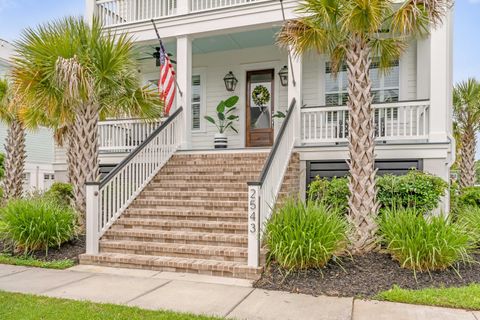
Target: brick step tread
(189, 212)
(201, 266)
(192, 193)
(233, 187)
(174, 248)
(193, 203)
(199, 156)
(219, 170)
(176, 163)
(214, 225)
(194, 214)
(210, 177)
(235, 240)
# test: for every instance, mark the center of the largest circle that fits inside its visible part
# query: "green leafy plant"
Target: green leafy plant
(469, 196)
(415, 189)
(423, 243)
(469, 218)
(225, 118)
(301, 236)
(61, 192)
(37, 224)
(332, 192)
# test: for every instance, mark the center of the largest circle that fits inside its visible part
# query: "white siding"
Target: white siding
(314, 77)
(39, 145)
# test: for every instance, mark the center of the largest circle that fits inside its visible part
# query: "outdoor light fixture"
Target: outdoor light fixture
(283, 74)
(230, 81)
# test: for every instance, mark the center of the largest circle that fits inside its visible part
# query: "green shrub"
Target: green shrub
(423, 244)
(415, 189)
(61, 192)
(301, 236)
(37, 224)
(469, 219)
(333, 193)
(469, 196)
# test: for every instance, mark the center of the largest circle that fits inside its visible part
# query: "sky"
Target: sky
(15, 15)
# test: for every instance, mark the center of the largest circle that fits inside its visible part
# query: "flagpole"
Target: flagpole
(161, 45)
(289, 52)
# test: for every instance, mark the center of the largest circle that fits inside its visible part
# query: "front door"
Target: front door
(260, 102)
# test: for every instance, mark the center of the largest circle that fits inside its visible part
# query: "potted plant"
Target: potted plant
(225, 120)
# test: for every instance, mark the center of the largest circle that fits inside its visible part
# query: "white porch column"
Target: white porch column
(184, 78)
(440, 82)
(295, 80)
(90, 6)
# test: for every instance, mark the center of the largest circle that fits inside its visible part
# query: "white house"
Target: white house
(39, 173)
(176, 188)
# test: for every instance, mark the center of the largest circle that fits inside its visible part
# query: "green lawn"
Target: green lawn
(14, 306)
(31, 262)
(463, 297)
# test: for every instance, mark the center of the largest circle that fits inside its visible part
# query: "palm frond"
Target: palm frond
(387, 50)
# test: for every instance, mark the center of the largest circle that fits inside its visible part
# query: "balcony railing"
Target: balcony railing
(392, 122)
(117, 12)
(124, 135)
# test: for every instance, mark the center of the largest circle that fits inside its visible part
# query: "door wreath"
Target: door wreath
(260, 95)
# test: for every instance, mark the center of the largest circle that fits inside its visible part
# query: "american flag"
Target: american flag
(166, 84)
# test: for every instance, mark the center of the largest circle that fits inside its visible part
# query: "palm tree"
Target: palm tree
(466, 109)
(352, 32)
(74, 74)
(15, 143)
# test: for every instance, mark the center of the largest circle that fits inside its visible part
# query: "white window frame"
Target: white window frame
(202, 72)
(339, 79)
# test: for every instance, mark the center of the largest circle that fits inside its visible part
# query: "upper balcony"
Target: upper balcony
(182, 17)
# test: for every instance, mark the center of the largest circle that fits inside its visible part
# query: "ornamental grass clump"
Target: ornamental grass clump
(301, 236)
(37, 223)
(423, 243)
(469, 219)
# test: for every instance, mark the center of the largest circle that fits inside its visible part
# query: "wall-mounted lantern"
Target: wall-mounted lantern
(283, 74)
(230, 81)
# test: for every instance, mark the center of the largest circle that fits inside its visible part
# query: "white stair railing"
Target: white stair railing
(108, 199)
(262, 194)
(407, 120)
(124, 135)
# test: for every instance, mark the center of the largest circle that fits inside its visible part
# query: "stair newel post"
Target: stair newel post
(254, 224)
(92, 217)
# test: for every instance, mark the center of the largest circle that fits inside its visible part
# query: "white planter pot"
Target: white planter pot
(220, 141)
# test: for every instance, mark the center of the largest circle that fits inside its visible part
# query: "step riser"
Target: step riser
(243, 218)
(240, 207)
(159, 253)
(182, 269)
(160, 239)
(119, 227)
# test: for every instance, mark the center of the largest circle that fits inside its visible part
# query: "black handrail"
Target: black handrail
(125, 161)
(373, 104)
(271, 156)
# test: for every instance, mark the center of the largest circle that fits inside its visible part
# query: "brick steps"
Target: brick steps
(181, 237)
(182, 225)
(194, 195)
(192, 217)
(237, 254)
(181, 214)
(173, 264)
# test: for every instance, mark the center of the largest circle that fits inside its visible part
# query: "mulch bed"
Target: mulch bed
(70, 250)
(364, 276)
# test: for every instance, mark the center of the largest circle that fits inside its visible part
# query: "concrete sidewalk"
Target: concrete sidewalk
(224, 297)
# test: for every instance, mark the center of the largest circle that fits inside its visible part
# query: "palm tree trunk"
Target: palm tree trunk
(467, 159)
(362, 201)
(14, 160)
(83, 147)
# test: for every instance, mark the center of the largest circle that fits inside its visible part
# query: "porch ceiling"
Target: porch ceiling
(220, 42)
